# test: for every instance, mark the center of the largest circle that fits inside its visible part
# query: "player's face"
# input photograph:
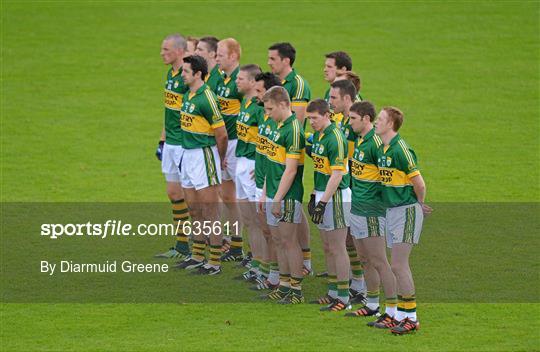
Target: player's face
(275, 62)
(223, 59)
(190, 48)
(243, 82)
(317, 121)
(383, 123)
(259, 89)
(187, 74)
(356, 121)
(276, 111)
(336, 100)
(202, 50)
(330, 70)
(169, 53)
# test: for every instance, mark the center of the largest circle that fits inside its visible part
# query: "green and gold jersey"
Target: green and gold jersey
(298, 89)
(212, 78)
(366, 182)
(337, 117)
(200, 117)
(174, 91)
(329, 153)
(229, 100)
(246, 128)
(265, 126)
(397, 165)
(285, 140)
(347, 130)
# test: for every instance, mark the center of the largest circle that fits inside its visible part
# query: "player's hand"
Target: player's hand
(159, 150)
(262, 203)
(276, 209)
(311, 204)
(426, 209)
(318, 213)
(224, 164)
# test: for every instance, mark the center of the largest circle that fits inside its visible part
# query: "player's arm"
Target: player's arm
(159, 150)
(221, 140)
(419, 187)
(291, 168)
(332, 185)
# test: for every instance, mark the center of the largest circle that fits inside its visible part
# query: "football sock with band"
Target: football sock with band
(296, 285)
(391, 306)
(198, 250)
(264, 269)
(372, 299)
(236, 245)
(306, 252)
(180, 213)
(406, 307)
(284, 282)
(332, 286)
(343, 291)
(356, 265)
(215, 256)
(273, 276)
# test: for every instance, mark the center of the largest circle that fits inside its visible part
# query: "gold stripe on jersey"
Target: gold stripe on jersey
(173, 100)
(212, 102)
(365, 172)
(198, 124)
(229, 106)
(247, 133)
(299, 103)
(299, 88)
(350, 145)
(407, 153)
(396, 178)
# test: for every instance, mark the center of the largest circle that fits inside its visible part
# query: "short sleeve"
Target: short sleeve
(337, 151)
(295, 141)
(211, 110)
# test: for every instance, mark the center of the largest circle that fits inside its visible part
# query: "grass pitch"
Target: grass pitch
(81, 114)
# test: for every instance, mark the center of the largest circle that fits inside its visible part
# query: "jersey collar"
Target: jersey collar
(199, 91)
(289, 77)
(369, 135)
(395, 139)
(288, 120)
(227, 79)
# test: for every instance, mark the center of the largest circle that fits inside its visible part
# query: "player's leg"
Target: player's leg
(230, 210)
(304, 239)
(340, 261)
(331, 294)
(198, 252)
(208, 199)
(284, 286)
(170, 165)
(404, 225)
(356, 258)
(288, 234)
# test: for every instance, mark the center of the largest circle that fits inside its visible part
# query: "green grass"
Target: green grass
(81, 113)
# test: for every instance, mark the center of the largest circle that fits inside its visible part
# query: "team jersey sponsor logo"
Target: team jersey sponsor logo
(364, 172)
(229, 106)
(173, 100)
(176, 83)
(361, 155)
